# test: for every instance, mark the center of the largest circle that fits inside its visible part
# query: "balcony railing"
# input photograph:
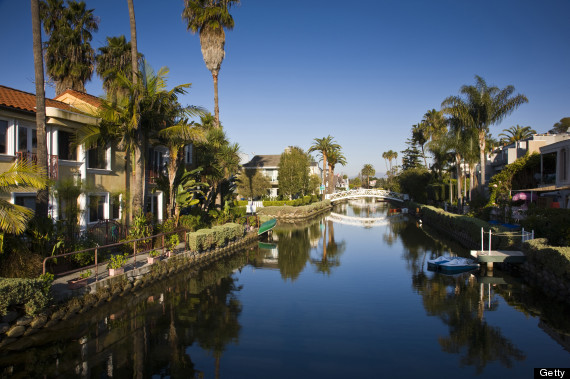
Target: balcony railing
(53, 168)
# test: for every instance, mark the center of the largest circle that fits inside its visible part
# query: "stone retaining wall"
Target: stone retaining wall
(14, 326)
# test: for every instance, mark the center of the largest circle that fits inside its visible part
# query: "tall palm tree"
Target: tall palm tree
(209, 18)
(481, 107)
(21, 175)
(42, 197)
(69, 55)
(335, 157)
(368, 170)
(516, 133)
(324, 146)
(420, 136)
(113, 58)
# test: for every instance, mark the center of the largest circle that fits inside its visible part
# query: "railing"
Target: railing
(97, 249)
(53, 168)
(365, 193)
(525, 236)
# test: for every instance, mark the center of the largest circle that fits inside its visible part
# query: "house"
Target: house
(103, 170)
(269, 166)
(555, 173)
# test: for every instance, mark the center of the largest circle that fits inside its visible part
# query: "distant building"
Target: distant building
(268, 165)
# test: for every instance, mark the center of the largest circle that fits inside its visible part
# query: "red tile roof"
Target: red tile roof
(89, 99)
(25, 101)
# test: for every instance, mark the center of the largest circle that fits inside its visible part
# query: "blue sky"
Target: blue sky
(363, 72)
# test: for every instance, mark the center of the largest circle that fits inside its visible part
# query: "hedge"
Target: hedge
(294, 212)
(32, 294)
(553, 259)
(218, 236)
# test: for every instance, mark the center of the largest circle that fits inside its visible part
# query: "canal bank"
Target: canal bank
(15, 326)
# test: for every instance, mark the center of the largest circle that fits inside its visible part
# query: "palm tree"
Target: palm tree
(69, 55)
(420, 136)
(482, 107)
(113, 58)
(209, 18)
(516, 133)
(335, 157)
(367, 171)
(42, 161)
(324, 146)
(21, 175)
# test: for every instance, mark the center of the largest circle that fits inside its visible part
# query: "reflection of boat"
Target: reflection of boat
(456, 265)
(266, 226)
(267, 245)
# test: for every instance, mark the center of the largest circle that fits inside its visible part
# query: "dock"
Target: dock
(492, 256)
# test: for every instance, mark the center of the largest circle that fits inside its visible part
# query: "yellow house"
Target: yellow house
(102, 169)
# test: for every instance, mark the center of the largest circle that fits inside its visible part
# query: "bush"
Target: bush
(241, 203)
(552, 224)
(32, 294)
(290, 211)
(550, 258)
(218, 236)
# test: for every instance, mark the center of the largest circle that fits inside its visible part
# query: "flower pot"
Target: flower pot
(116, 271)
(169, 254)
(151, 260)
(76, 283)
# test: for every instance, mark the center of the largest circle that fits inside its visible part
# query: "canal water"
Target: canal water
(347, 295)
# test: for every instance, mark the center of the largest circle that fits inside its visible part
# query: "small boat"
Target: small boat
(456, 265)
(266, 226)
(434, 263)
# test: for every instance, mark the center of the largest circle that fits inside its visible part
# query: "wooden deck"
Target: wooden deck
(493, 256)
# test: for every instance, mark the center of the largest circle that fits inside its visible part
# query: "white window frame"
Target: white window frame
(29, 137)
(10, 137)
(105, 207)
(107, 161)
(24, 194)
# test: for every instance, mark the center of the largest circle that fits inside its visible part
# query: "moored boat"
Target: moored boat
(434, 263)
(456, 265)
(266, 226)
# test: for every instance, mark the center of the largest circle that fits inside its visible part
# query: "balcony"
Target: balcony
(53, 167)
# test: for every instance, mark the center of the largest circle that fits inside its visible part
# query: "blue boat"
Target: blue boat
(456, 265)
(434, 263)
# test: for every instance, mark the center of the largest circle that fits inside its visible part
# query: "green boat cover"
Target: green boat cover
(266, 226)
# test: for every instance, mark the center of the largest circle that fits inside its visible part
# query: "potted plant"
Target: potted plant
(117, 264)
(153, 256)
(80, 281)
(171, 243)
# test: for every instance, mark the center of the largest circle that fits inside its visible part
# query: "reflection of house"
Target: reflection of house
(268, 165)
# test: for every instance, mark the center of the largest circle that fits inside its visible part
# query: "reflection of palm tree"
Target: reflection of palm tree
(294, 252)
(331, 251)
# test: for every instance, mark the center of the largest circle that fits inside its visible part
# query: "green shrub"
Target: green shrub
(33, 294)
(241, 203)
(550, 258)
(553, 224)
(205, 239)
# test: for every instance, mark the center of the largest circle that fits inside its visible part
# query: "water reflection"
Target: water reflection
(142, 335)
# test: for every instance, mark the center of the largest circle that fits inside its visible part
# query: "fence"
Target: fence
(525, 236)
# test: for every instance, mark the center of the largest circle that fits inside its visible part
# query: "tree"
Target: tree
(368, 171)
(324, 146)
(252, 184)
(209, 18)
(389, 156)
(411, 156)
(561, 126)
(68, 52)
(293, 173)
(42, 199)
(335, 157)
(22, 175)
(420, 137)
(481, 107)
(113, 58)
(516, 133)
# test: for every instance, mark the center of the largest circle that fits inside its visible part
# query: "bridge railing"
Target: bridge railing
(366, 193)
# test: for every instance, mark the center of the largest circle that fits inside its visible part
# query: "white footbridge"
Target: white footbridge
(367, 222)
(361, 192)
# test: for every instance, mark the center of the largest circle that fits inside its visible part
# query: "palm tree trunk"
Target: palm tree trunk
(458, 169)
(482, 160)
(324, 171)
(471, 181)
(138, 196)
(216, 105)
(42, 196)
(330, 179)
(134, 48)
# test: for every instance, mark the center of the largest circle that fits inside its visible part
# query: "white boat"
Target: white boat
(438, 261)
(458, 265)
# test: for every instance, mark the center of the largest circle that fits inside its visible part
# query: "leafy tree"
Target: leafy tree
(481, 107)
(209, 18)
(414, 181)
(314, 184)
(324, 146)
(411, 156)
(368, 171)
(68, 52)
(112, 59)
(516, 133)
(252, 184)
(293, 173)
(561, 126)
(20, 176)
(355, 183)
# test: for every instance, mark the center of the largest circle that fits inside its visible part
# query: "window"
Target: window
(64, 144)
(96, 208)
(188, 151)
(3, 137)
(115, 207)
(27, 140)
(563, 165)
(98, 158)
(26, 200)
